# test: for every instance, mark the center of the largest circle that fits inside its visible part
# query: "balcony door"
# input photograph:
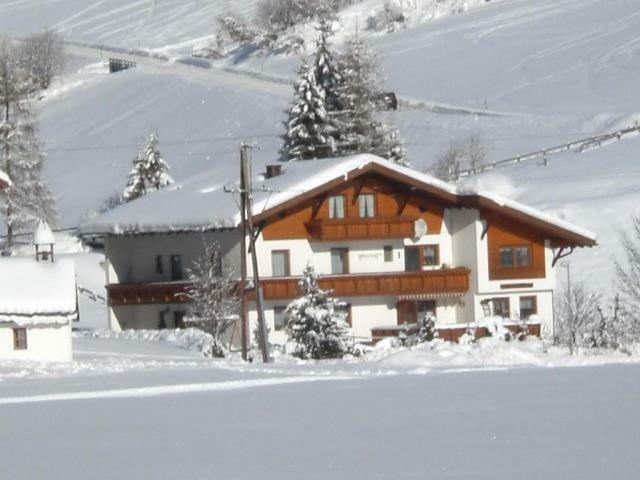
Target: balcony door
(412, 259)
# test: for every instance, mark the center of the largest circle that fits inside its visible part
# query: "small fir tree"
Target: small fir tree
(150, 172)
(310, 131)
(316, 323)
(212, 292)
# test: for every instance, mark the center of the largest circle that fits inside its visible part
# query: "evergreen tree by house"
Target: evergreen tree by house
(150, 172)
(212, 292)
(359, 100)
(316, 323)
(328, 76)
(310, 132)
(28, 199)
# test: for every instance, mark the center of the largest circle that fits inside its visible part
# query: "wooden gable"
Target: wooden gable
(397, 207)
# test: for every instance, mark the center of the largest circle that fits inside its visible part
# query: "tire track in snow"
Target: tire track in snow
(157, 391)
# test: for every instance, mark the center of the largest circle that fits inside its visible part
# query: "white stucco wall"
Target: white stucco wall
(44, 343)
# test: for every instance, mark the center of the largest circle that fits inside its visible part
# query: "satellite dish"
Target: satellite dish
(420, 228)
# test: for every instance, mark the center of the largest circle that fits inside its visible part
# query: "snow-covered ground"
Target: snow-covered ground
(147, 410)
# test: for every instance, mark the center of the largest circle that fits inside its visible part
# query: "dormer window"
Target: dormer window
(367, 205)
(336, 206)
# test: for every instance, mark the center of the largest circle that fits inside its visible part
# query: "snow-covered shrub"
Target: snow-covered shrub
(212, 292)
(428, 331)
(576, 316)
(316, 324)
(281, 15)
(628, 272)
(236, 29)
(42, 56)
(387, 18)
(469, 152)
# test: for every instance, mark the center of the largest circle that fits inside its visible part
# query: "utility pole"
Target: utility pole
(248, 197)
(244, 324)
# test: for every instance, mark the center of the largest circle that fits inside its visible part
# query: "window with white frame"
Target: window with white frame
(367, 205)
(279, 318)
(336, 206)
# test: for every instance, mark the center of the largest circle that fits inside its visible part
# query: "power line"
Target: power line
(175, 142)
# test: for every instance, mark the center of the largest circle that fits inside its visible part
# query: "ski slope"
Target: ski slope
(552, 70)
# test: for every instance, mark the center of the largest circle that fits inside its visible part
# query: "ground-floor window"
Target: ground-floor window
(19, 338)
(178, 319)
(279, 318)
(528, 307)
(345, 309)
(500, 307)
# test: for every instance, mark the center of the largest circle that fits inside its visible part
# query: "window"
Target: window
(178, 319)
(279, 320)
(280, 263)
(339, 261)
(430, 255)
(518, 256)
(336, 206)
(506, 257)
(19, 338)
(162, 319)
(522, 256)
(421, 256)
(366, 205)
(159, 264)
(388, 253)
(176, 267)
(528, 307)
(501, 307)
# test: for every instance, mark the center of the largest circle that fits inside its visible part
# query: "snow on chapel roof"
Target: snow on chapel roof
(43, 234)
(34, 293)
(203, 204)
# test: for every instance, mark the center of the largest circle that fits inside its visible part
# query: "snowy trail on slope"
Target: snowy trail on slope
(156, 391)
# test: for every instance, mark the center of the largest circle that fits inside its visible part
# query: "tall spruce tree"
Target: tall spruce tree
(150, 171)
(328, 75)
(359, 101)
(28, 199)
(310, 132)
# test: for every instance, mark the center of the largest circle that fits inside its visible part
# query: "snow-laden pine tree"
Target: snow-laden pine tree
(328, 76)
(150, 172)
(212, 292)
(28, 199)
(359, 99)
(310, 132)
(316, 323)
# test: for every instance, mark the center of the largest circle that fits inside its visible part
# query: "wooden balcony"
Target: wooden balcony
(450, 281)
(146, 293)
(323, 230)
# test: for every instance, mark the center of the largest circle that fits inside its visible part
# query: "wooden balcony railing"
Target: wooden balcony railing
(146, 293)
(361, 228)
(448, 281)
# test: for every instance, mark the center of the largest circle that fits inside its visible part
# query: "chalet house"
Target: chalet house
(38, 303)
(391, 242)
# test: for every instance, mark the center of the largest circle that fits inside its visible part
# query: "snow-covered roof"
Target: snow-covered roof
(4, 179)
(35, 293)
(43, 234)
(205, 203)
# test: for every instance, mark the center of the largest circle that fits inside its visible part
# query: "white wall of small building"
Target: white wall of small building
(48, 343)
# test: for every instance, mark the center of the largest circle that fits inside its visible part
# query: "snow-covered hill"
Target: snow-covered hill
(547, 72)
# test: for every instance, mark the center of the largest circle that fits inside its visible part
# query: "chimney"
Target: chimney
(273, 171)
(43, 241)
